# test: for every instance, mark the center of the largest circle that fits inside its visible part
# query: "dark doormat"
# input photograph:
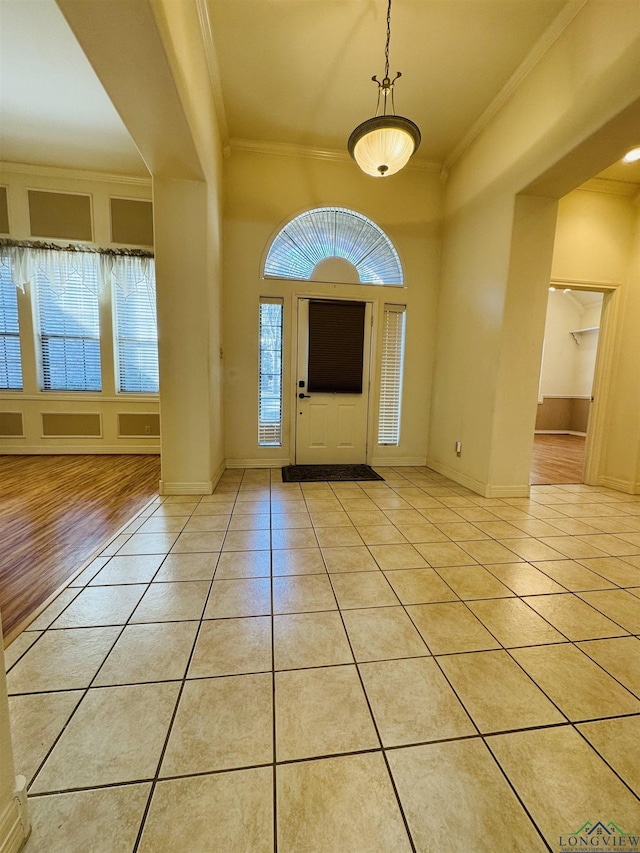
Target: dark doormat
(320, 473)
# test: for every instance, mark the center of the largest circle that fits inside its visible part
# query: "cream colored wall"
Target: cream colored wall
(497, 247)
(262, 193)
(31, 401)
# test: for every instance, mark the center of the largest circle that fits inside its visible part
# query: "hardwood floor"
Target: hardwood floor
(55, 512)
(557, 459)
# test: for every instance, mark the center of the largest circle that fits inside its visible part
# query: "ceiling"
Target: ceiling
(292, 72)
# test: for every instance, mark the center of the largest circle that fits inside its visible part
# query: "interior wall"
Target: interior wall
(262, 193)
(497, 247)
(31, 403)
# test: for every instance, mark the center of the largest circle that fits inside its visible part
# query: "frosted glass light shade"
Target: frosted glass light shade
(383, 145)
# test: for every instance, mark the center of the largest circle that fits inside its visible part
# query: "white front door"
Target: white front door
(331, 426)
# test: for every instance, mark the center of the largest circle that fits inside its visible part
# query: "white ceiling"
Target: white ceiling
(294, 72)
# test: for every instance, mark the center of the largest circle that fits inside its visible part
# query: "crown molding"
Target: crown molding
(606, 185)
(73, 174)
(540, 48)
(214, 71)
(286, 149)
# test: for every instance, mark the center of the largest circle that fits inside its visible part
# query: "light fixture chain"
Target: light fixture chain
(386, 50)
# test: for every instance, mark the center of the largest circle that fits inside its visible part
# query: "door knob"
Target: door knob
(302, 396)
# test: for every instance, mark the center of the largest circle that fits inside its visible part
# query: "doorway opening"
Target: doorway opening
(565, 396)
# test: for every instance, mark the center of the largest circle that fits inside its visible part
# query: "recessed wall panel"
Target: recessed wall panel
(11, 425)
(138, 425)
(4, 211)
(71, 424)
(131, 221)
(65, 216)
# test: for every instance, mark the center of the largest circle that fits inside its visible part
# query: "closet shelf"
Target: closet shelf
(577, 332)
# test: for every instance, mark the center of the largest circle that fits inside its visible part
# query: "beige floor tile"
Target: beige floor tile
(461, 531)
(116, 735)
(381, 534)
(363, 589)
(573, 526)
(338, 536)
(294, 538)
(163, 524)
(62, 660)
(36, 722)
(382, 633)
(403, 516)
(481, 814)
(230, 811)
(155, 652)
(501, 529)
(438, 515)
(147, 543)
(187, 567)
(118, 541)
(572, 546)
(614, 569)
(531, 549)
(232, 647)
(90, 572)
(50, 613)
(243, 564)
(497, 694)
(172, 602)
(344, 804)
(412, 702)
(285, 520)
(620, 657)
(18, 647)
(572, 617)
(476, 514)
(572, 575)
(122, 570)
(419, 586)
(299, 561)
(242, 597)
(471, 582)
(563, 783)
(367, 517)
(523, 579)
(253, 507)
(513, 623)
(302, 594)
(488, 552)
(193, 541)
(618, 742)
(310, 640)
(339, 518)
(422, 532)
(321, 712)
(247, 540)
(613, 546)
(439, 554)
(204, 508)
(618, 605)
(104, 605)
(207, 523)
(450, 627)
(397, 557)
(632, 561)
(349, 559)
(221, 723)
(102, 821)
(254, 521)
(562, 671)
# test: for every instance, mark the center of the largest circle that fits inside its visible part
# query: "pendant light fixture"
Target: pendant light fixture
(382, 145)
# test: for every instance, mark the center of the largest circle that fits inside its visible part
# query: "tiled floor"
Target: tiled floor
(386, 666)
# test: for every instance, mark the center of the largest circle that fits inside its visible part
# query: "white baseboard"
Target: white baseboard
(197, 488)
(217, 476)
(558, 432)
(485, 489)
(14, 821)
(399, 461)
(77, 449)
(626, 486)
(257, 463)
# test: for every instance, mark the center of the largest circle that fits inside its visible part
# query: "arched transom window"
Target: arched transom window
(334, 244)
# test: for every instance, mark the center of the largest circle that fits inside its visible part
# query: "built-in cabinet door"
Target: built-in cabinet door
(332, 387)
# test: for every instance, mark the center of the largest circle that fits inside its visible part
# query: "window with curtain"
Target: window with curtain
(270, 369)
(10, 357)
(66, 295)
(391, 374)
(136, 324)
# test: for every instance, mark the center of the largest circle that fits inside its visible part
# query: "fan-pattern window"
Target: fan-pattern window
(136, 329)
(333, 232)
(69, 325)
(270, 382)
(391, 374)
(10, 360)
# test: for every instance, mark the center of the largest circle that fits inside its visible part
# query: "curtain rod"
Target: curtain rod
(36, 244)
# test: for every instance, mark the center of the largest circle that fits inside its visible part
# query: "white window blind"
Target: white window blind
(391, 374)
(10, 359)
(270, 369)
(69, 323)
(136, 327)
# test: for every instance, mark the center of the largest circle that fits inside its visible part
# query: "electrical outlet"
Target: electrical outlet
(458, 448)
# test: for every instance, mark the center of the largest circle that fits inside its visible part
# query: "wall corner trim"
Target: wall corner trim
(195, 488)
(14, 821)
(626, 486)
